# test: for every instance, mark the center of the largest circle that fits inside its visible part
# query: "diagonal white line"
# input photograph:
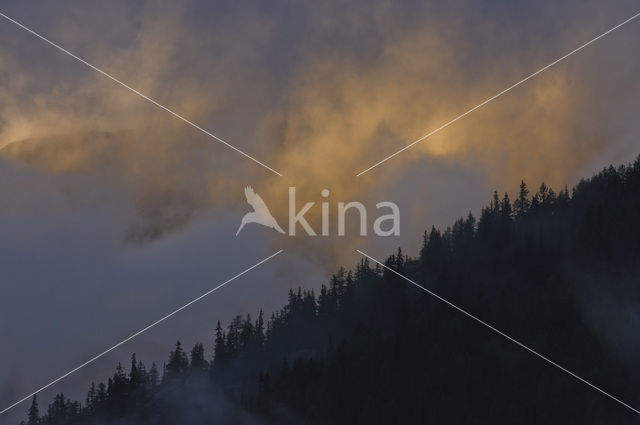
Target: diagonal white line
(91, 360)
(450, 304)
(501, 93)
(138, 93)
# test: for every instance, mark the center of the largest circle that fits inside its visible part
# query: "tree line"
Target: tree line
(369, 348)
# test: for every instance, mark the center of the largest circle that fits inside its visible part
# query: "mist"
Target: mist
(114, 213)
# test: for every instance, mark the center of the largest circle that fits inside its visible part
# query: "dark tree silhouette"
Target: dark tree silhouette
(33, 416)
(178, 363)
(373, 349)
(198, 362)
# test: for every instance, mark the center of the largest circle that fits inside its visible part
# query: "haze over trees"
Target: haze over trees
(369, 348)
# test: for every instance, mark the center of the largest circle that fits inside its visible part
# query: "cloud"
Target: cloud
(123, 203)
(319, 93)
(355, 87)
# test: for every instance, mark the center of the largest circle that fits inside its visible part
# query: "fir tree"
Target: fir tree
(33, 417)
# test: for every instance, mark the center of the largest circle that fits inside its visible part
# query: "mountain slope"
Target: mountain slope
(555, 271)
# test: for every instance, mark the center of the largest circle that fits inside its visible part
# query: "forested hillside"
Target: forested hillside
(370, 348)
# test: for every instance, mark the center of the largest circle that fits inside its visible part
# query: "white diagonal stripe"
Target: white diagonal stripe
(500, 94)
(175, 114)
(546, 359)
(91, 360)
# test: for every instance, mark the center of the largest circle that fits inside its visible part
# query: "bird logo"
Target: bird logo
(260, 213)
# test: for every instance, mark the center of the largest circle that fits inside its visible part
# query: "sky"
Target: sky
(114, 213)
